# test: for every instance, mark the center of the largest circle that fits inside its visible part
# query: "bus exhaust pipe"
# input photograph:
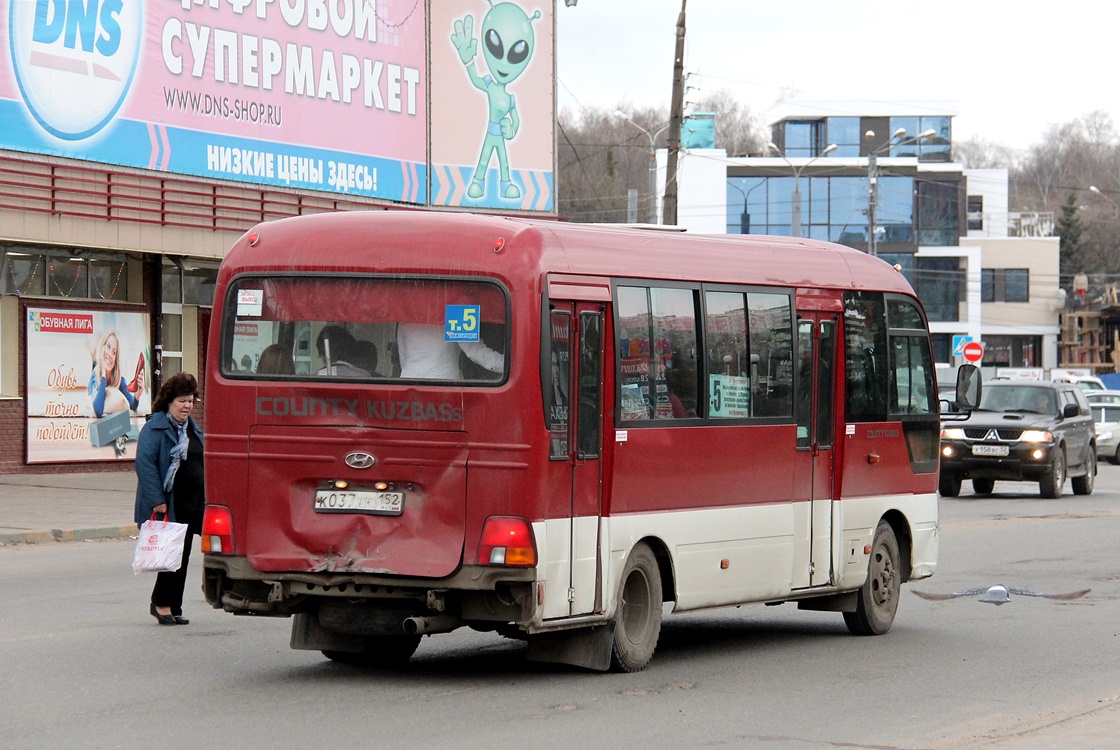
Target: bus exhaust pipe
(428, 625)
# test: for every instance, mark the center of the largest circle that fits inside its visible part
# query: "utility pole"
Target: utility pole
(676, 119)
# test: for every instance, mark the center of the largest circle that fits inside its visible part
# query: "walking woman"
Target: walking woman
(169, 481)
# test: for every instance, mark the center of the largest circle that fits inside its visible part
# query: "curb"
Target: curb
(67, 535)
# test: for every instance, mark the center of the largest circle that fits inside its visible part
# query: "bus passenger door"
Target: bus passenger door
(815, 411)
(576, 394)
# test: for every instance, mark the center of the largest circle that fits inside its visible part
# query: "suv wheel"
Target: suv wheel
(983, 486)
(948, 485)
(1083, 485)
(1051, 485)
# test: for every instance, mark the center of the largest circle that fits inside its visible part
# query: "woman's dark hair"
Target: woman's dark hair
(180, 384)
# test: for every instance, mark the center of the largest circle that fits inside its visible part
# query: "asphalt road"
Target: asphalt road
(84, 665)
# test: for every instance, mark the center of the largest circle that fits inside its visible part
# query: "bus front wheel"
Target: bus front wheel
(877, 601)
(637, 618)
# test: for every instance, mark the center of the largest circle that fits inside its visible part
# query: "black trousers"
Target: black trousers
(168, 591)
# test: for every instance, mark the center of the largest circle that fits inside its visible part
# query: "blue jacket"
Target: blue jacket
(153, 459)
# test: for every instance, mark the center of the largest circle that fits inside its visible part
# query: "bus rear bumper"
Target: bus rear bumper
(473, 593)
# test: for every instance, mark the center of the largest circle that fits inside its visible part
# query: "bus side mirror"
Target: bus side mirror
(968, 387)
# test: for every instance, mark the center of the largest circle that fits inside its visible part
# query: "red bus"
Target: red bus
(423, 421)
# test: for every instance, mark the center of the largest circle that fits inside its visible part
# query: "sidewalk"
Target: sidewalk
(37, 508)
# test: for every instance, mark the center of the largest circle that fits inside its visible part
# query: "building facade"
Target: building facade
(885, 183)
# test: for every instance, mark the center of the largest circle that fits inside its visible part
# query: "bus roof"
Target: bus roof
(439, 242)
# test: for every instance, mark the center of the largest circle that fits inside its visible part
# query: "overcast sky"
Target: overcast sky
(1007, 69)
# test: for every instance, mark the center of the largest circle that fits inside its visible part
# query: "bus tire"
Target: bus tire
(877, 599)
(637, 617)
(381, 651)
(948, 485)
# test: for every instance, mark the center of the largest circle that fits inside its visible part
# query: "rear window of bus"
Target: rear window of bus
(351, 328)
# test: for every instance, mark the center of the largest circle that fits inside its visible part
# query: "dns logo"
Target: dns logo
(75, 60)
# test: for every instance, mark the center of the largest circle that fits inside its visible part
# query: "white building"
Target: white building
(947, 228)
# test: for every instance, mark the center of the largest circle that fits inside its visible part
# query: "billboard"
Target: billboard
(324, 95)
(493, 104)
(88, 378)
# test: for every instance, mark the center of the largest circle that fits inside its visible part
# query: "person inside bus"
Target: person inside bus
(336, 348)
(681, 377)
(364, 356)
(276, 360)
(424, 353)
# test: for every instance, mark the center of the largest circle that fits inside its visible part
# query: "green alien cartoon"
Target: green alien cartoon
(507, 45)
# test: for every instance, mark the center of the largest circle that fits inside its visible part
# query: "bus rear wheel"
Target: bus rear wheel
(380, 651)
(637, 618)
(877, 600)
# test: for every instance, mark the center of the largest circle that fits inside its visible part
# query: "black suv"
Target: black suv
(1023, 430)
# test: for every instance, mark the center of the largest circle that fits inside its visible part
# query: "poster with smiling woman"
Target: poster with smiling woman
(88, 378)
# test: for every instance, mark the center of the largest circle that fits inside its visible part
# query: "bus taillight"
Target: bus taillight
(217, 531)
(507, 541)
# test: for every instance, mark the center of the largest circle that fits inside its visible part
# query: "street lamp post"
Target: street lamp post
(1107, 197)
(795, 221)
(873, 180)
(745, 221)
(652, 161)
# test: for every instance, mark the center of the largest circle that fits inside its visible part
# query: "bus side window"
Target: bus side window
(674, 361)
(731, 368)
(865, 340)
(635, 402)
(771, 333)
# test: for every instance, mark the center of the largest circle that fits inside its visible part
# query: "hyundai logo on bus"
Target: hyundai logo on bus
(392, 411)
(359, 460)
(75, 61)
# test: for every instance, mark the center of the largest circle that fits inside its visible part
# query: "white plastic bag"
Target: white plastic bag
(159, 548)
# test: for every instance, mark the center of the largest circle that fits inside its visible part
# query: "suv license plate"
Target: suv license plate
(344, 501)
(989, 450)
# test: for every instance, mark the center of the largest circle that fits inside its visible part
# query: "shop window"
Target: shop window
(198, 285)
(108, 279)
(65, 274)
(24, 273)
(67, 277)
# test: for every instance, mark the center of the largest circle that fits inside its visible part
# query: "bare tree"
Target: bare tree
(981, 153)
(603, 155)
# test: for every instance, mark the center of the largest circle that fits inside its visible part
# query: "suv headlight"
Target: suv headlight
(952, 433)
(1036, 436)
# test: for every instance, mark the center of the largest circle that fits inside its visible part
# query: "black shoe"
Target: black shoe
(180, 620)
(163, 619)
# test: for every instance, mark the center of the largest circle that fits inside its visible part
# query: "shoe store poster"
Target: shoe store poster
(88, 378)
